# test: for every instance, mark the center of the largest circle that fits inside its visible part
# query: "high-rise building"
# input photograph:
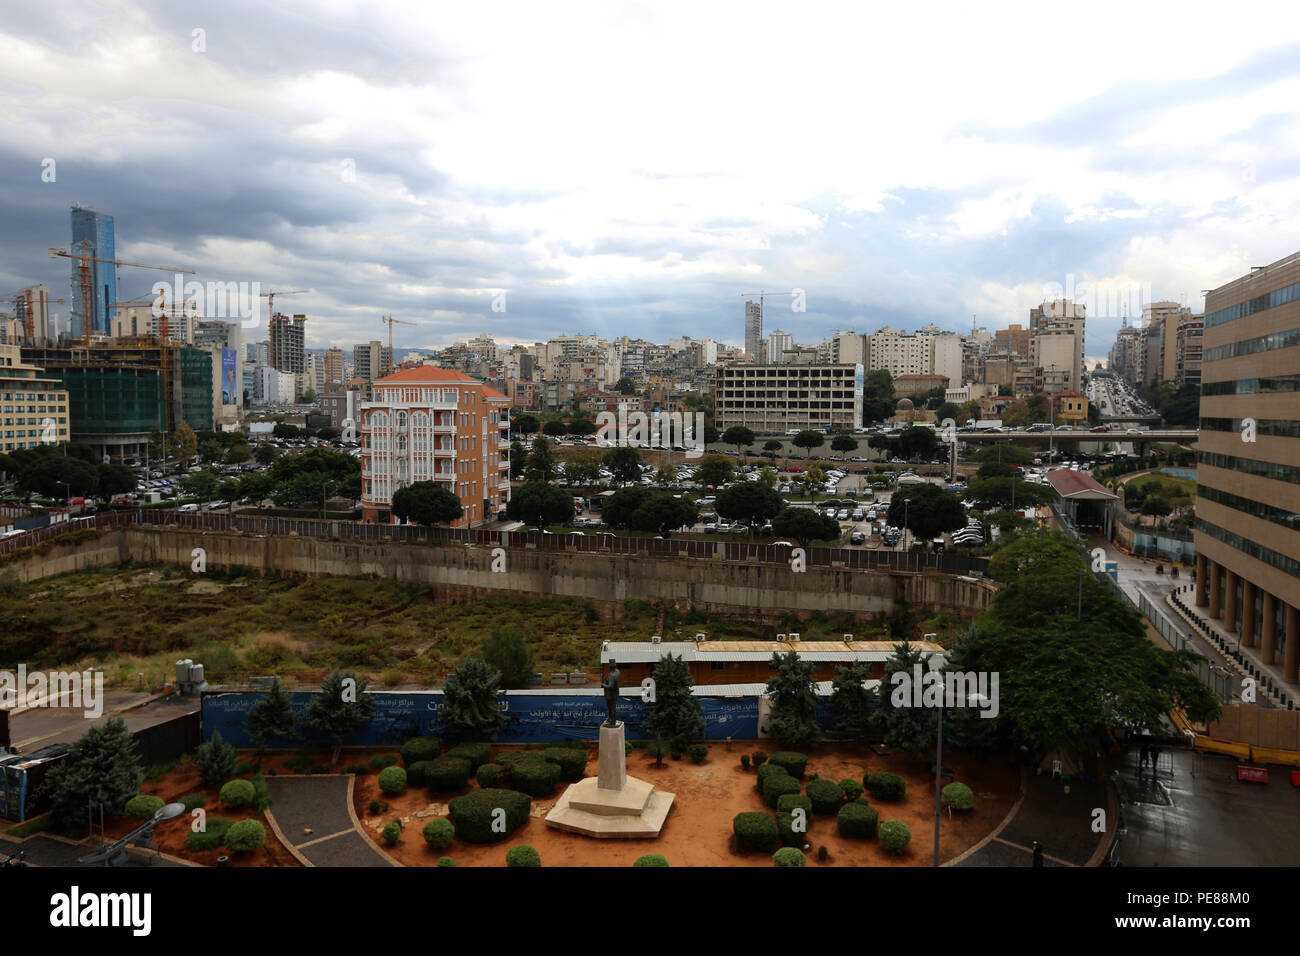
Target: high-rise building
(35, 405)
(32, 312)
(772, 399)
(373, 360)
(754, 331)
(1187, 368)
(778, 343)
(850, 348)
(333, 369)
(1247, 533)
(92, 234)
(1056, 342)
(288, 336)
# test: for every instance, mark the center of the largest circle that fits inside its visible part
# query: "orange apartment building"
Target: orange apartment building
(433, 424)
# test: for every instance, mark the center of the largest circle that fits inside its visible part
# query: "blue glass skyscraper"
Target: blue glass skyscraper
(95, 230)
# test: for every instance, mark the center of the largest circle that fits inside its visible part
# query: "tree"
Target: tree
(794, 701)
(946, 411)
(216, 760)
(740, 436)
(540, 465)
(1004, 453)
(582, 468)
(750, 502)
(45, 474)
(426, 503)
(908, 729)
(1156, 506)
(582, 426)
(710, 435)
(877, 396)
(620, 510)
(239, 453)
(256, 486)
(805, 525)
(211, 450)
(470, 708)
(624, 462)
(713, 470)
(101, 770)
(555, 428)
(523, 423)
(625, 386)
(772, 445)
(674, 714)
(1003, 492)
(844, 444)
(507, 651)
(665, 514)
(851, 703)
(265, 454)
(665, 474)
(518, 458)
(285, 430)
(271, 718)
(201, 484)
(115, 480)
(540, 503)
(918, 442)
(928, 509)
(879, 443)
(340, 709)
(809, 440)
(184, 444)
(157, 443)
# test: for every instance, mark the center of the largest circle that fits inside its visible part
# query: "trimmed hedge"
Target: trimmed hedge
(420, 748)
(852, 789)
(473, 814)
(765, 771)
(512, 757)
(192, 801)
(245, 836)
(958, 796)
(211, 837)
(794, 763)
(143, 806)
(894, 836)
(535, 776)
(826, 797)
(788, 834)
(416, 773)
(697, 753)
(446, 861)
(446, 773)
(523, 855)
(380, 761)
(477, 754)
(855, 820)
(886, 786)
(438, 833)
(572, 763)
(489, 775)
(778, 785)
(392, 780)
(789, 856)
(237, 793)
(392, 832)
(755, 831)
(759, 757)
(788, 801)
(651, 859)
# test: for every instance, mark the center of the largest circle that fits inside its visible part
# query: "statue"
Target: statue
(610, 684)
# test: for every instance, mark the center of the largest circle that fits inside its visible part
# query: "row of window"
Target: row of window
(25, 397)
(1273, 427)
(1250, 466)
(1252, 386)
(1262, 343)
(1280, 561)
(1251, 507)
(1270, 300)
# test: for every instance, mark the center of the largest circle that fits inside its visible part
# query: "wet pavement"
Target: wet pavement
(320, 804)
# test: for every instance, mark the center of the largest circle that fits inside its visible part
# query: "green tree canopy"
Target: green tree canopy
(674, 714)
(794, 701)
(851, 703)
(539, 503)
(340, 709)
(426, 503)
(929, 510)
(507, 651)
(271, 718)
(715, 470)
(624, 462)
(909, 730)
(522, 423)
(541, 464)
(738, 435)
(805, 525)
(809, 440)
(750, 502)
(470, 708)
(844, 444)
(102, 770)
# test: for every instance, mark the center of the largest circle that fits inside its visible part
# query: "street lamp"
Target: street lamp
(68, 492)
(323, 487)
(976, 700)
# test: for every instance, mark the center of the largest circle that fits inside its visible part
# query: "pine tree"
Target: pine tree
(469, 701)
(851, 703)
(675, 714)
(216, 760)
(271, 718)
(908, 729)
(102, 770)
(794, 701)
(340, 709)
(507, 651)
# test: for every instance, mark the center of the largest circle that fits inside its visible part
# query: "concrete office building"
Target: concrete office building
(333, 369)
(372, 361)
(288, 336)
(35, 406)
(772, 399)
(1247, 534)
(32, 313)
(778, 343)
(754, 331)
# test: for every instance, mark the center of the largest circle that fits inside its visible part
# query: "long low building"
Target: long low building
(750, 662)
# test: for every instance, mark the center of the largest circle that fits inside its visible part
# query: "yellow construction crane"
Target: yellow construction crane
(28, 324)
(84, 258)
(390, 320)
(270, 319)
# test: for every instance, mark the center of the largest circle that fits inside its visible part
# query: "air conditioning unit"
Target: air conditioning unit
(794, 637)
(848, 638)
(780, 637)
(657, 639)
(930, 637)
(701, 636)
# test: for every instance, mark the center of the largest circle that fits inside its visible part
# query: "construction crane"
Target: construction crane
(270, 319)
(28, 324)
(85, 259)
(390, 320)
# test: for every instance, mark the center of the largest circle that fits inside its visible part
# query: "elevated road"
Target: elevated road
(1178, 435)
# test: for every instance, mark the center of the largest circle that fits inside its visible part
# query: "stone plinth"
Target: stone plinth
(612, 770)
(611, 805)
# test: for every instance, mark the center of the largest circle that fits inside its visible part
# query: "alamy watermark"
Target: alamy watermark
(75, 689)
(1104, 299)
(214, 300)
(943, 688)
(657, 430)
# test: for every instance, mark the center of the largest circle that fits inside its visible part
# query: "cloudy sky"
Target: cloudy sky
(634, 169)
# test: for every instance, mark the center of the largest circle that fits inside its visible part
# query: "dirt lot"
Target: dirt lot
(698, 831)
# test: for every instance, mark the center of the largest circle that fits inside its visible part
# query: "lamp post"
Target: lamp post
(974, 699)
(324, 486)
(906, 527)
(67, 488)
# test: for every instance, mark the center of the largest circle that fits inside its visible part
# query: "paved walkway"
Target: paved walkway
(46, 850)
(321, 804)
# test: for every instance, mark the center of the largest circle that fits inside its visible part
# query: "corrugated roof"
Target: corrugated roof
(1071, 484)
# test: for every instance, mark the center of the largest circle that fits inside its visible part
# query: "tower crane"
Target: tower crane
(270, 319)
(28, 324)
(84, 259)
(390, 320)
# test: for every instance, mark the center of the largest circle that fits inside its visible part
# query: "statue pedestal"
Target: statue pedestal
(612, 804)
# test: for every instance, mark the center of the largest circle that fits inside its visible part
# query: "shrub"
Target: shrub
(356, 768)
(392, 780)
(420, 748)
(785, 829)
(376, 807)
(523, 855)
(143, 806)
(788, 856)
(676, 754)
(765, 771)
(572, 763)
(212, 836)
(958, 796)
(744, 761)
(192, 801)
(697, 752)
(777, 785)
(886, 786)
(788, 801)
(760, 758)
(852, 789)
(755, 831)
(794, 763)
(237, 793)
(476, 754)
(855, 820)
(535, 776)
(216, 760)
(392, 832)
(826, 797)
(822, 854)
(245, 836)
(438, 833)
(380, 761)
(489, 775)
(261, 793)
(473, 814)
(651, 859)
(446, 861)
(446, 773)
(243, 767)
(863, 801)
(894, 836)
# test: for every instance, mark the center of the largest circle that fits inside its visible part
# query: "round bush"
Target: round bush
(785, 829)
(957, 795)
(852, 789)
(380, 761)
(794, 763)
(755, 831)
(438, 833)
(523, 855)
(143, 806)
(855, 820)
(446, 861)
(697, 752)
(765, 771)
(245, 836)
(475, 754)
(886, 786)
(651, 859)
(788, 801)
(894, 836)
(420, 748)
(446, 773)
(788, 856)
(489, 775)
(759, 757)
(392, 832)
(776, 786)
(237, 793)
(474, 814)
(571, 761)
(744, 761)
(392, 780)
(376, 807)
(535, 776)
(826, 797)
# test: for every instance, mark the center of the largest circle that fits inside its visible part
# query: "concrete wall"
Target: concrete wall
(64, 557)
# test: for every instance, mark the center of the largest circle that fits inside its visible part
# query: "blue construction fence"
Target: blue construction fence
(530, 717)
